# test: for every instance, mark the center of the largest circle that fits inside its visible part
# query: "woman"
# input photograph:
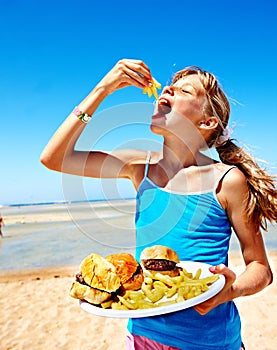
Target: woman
(186, 200)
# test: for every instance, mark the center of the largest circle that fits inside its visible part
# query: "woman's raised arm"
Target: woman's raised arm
(60, 153)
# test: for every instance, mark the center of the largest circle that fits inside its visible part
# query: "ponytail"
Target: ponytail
(261, 205)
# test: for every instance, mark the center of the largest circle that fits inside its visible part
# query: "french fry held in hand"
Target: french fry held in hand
(153, 89)
(161, 290)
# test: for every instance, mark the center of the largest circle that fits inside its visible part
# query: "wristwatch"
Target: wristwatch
(84, 117)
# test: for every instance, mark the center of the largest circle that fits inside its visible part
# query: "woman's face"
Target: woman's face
(180, 107)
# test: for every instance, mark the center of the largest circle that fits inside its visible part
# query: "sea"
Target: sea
(62, 234)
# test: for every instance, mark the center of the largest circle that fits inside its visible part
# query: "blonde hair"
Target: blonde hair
(261, 205)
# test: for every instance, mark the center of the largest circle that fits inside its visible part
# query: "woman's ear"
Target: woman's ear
(209, 123)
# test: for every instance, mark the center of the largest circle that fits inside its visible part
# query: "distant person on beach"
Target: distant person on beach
(1, 225)
(185, 199)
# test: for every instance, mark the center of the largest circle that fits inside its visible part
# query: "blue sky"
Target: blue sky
(53, 53)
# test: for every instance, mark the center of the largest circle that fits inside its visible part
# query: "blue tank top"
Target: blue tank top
(197, 227)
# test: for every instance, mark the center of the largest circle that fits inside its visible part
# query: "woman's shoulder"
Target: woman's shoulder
(232, 187)
(230, 175)
(141, 157)
(135, 161)
(130, 155)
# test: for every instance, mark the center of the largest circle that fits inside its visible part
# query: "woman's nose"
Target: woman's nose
(168, 90)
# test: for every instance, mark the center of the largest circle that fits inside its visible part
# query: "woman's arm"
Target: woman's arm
(60, 153)
(257, 274)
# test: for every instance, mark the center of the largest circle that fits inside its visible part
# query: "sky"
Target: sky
(54, 52)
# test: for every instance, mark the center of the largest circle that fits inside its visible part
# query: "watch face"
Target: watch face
(86, 118)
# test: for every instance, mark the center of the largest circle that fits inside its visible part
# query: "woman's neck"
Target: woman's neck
(177, 155)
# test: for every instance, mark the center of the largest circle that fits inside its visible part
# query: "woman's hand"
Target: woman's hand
(126, 72)
(224, 295)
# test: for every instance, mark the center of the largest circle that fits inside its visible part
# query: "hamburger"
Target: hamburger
(97, 280)
(128, 270)
(159, 258)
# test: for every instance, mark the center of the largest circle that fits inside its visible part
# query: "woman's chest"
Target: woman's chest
(188, 180)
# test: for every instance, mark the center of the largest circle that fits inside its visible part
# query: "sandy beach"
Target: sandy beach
(37, 312)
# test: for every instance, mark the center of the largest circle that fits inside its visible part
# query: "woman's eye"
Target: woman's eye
(185, 91)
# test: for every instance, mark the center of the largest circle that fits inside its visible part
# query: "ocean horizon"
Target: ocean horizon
(26, 204)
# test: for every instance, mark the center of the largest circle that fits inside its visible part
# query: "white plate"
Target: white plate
(190, 266)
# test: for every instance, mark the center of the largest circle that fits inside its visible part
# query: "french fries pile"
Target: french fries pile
(161, 290)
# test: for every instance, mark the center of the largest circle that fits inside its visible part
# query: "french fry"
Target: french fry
(182, 291)
(118, 306)
(148, 280)
(164, 278)
(171, 292)
(144, 304)
(177, 279)
(197, 274)
(154, 294)
(107, 304)
(134, 295)
(160, 284)
(128, 304)
(185, 273)
(210, 279)
(166, 303)
(197, 291)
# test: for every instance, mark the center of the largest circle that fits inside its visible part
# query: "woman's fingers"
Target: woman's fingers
(223, 295)
(140, 68)
(126, 72)
(136, 72)
(222, 269)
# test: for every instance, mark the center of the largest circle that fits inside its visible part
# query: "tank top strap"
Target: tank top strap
(147, 162)
(221, 176)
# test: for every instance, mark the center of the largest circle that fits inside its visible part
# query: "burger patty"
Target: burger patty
(80, 279)
(159, 264)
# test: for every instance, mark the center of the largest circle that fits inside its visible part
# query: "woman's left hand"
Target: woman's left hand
(224, 295)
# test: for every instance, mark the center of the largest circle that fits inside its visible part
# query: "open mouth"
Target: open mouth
(164, 106)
